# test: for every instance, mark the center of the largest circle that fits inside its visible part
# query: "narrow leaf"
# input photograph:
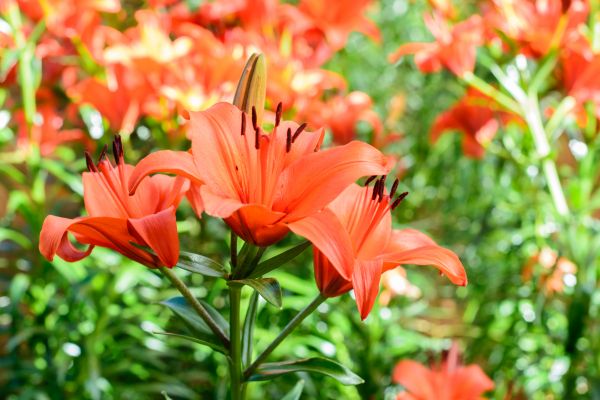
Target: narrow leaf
(248, 329)
(280, 259)
(319, 365)
(195, 323)
(296, 391)
(200, 264)
(199, 340)
(252, 86)
(268, 288)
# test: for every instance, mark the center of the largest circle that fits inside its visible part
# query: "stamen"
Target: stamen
(278, 114)
(298, 132)
(117, 149)
(90, 163)
(288, 140)
(396, 202)
(254, 119)
(103, 153)
(243, 123)
(256, 138)
(394, 188)
(370, 179)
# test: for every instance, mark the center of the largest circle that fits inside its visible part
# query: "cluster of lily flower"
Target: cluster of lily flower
(509, 29)
(169, 57)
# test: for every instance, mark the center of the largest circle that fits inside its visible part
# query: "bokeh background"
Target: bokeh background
(89, 330)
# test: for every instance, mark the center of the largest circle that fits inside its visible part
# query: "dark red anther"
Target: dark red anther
(381, 187)
(278, 114)
(375, 190)
(103, 153)
(288, 140)
(257, 139)
(254, 119)
(243, 123)
(396, 202)
(298, 132)
(117, 149)
(370, 179)
(90, 163)
(394, 188)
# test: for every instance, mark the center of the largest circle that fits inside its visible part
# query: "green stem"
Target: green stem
(293, 324)
(534, 121)
(235, 365)
(196, 305)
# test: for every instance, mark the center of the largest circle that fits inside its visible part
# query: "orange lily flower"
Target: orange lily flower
(475, 118)
(449, 381)
(261, 184)
(395, 283)
(117, 220)
(355, 243)
(454, 47)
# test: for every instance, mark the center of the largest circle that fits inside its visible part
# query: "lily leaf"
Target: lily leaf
(200, 264)
(196, 324)
(268, 288)
(296, 391)
(319, 365)
(199, 340)
(248, 330)
(277, 261)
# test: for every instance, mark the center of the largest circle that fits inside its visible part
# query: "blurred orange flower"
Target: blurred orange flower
(449, 381)
(395, 283)
(261, 184)
(454, 47)
(475, 117)
(355, 243)
(116, 220)
(554, 270)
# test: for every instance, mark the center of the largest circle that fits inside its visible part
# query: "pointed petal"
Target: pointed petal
(473, 382)
(195, 199)
(217, 205)
(417, 379)
(409, 246)
(173, 162)
(159, 232)
(311, 183)
(409, 48)
(327, 234)
(54, 240)
(258, 225)
(365, 281)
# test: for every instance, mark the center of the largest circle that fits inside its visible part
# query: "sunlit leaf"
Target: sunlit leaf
(318, 365)
(279, 260)
(200, 264)
(268, 288)
(296, 391)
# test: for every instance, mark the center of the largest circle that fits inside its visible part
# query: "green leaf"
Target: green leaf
(248, 329)
(192, 339)
(277, 261)
(319, 365)
(196, 324)
(268, 288)
(296, 391)
(200, 264)
(165, 395)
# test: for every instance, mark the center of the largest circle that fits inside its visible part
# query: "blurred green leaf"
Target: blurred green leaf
(196, 324)
(296, 392)
(248, 329)
(198, 340)
(319, 365)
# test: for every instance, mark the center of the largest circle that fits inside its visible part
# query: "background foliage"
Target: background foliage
(89, 330)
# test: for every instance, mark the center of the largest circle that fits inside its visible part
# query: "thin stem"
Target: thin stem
(534, 121)
(235, 365)
(293, 324)
(233, 251)
(196, 305)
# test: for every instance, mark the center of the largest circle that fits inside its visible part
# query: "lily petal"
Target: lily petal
(416, 378)
(159, 232)
(310, 184)
(54, 240)
(174, 162)
(412, 247)
(365, 280)
(327, 234)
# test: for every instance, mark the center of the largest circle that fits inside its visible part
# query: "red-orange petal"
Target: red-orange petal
(326, 233)
(167, 161)
(54, 240)
(365, 281)
(159, 232)
(314, 181)
(416, 378)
